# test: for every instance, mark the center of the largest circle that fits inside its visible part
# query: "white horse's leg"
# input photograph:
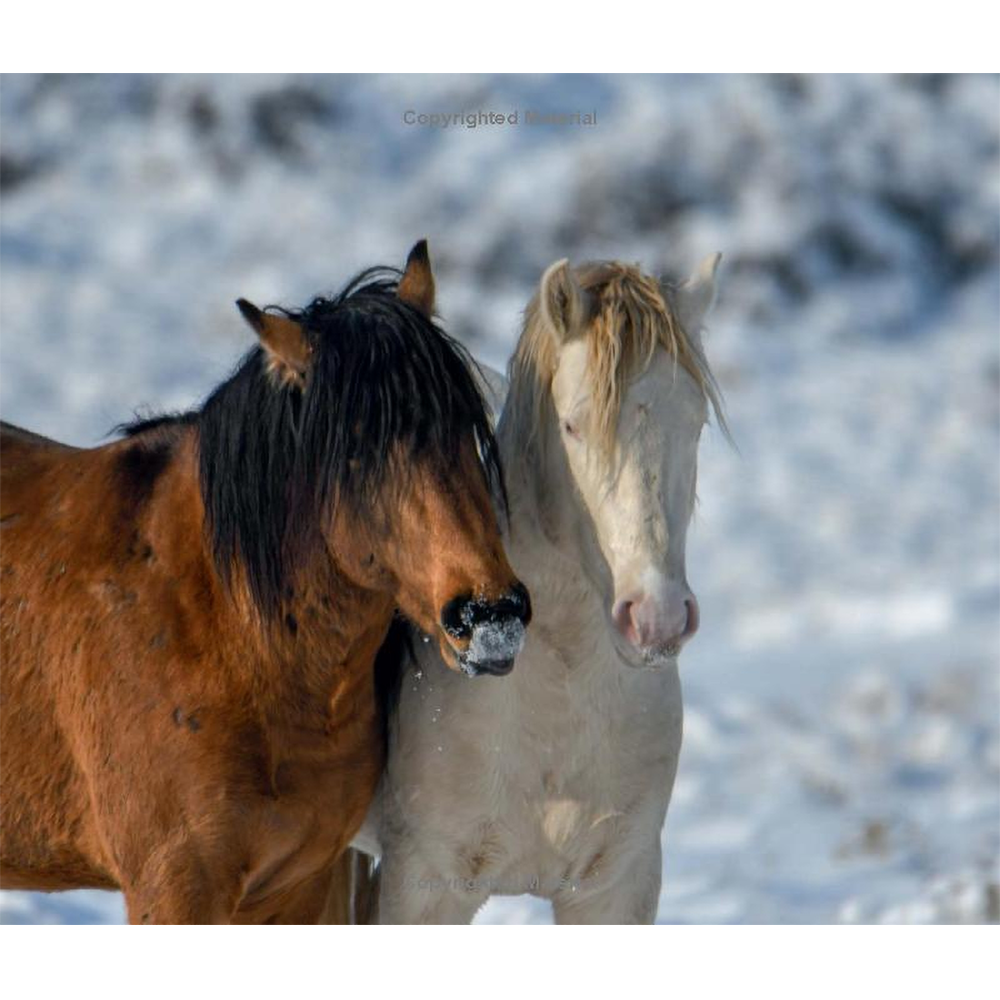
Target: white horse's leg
(413, 893)
(631, 898)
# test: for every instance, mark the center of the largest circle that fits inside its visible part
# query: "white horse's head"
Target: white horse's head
(612, 373)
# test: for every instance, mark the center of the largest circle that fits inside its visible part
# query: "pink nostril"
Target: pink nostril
(623, 615)
(645, 622)
(637, 634)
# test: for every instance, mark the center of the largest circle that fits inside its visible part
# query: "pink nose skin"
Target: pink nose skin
(664, 624)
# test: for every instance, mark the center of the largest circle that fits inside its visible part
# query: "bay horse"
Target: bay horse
(190, 614)
(557, 783)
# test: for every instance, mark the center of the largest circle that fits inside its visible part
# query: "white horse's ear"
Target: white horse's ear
(696, 296)
(561, 300)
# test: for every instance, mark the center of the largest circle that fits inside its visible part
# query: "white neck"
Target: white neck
(568, 616)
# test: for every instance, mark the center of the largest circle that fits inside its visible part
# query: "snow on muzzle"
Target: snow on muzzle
(493, 630)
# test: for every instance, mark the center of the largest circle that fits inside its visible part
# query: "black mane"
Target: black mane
(276, 459)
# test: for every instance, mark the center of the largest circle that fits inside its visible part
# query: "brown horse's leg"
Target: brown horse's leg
(182, 887)
(306, 904)
(159, 906)
(162, 905)
(170, 909)
(302, 903)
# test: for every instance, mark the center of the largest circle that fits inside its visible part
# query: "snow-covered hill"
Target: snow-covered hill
(842, 748)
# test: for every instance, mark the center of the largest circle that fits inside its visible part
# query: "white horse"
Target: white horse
(555, 780)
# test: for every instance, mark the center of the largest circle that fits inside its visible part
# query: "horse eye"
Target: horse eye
(571, 429)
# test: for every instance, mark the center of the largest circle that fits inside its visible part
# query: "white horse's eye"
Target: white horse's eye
(571, 429)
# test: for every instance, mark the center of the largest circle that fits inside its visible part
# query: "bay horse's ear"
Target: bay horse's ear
(561, 300)
(696, 296)
(284, 341)
(416, 287)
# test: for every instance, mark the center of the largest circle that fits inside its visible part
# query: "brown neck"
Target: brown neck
(321, 642)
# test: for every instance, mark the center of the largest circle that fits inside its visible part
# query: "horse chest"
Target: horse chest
(591, 781)
(565, 817)
(560, 776)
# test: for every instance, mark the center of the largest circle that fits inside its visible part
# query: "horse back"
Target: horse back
(12, 435)
(24, 455)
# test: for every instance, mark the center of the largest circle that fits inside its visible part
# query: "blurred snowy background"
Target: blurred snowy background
(842, 749)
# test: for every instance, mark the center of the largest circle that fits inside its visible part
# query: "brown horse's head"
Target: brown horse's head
(367, 434)
(435, 546)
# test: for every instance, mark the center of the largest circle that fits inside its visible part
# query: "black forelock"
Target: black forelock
(276, 460)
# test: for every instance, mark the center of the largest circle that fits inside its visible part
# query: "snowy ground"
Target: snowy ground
(842, 740)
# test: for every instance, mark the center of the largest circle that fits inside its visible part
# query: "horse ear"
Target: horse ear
(696, 296)
(283, 339)
(416, 287)
(561, 300)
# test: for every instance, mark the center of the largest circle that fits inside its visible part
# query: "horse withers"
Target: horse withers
(190, 614)
(557, 784)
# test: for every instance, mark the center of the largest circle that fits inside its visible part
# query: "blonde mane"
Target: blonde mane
(628, 316)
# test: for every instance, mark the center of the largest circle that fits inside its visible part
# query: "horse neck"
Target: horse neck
(567, 609)
(321, 641)
(322, 644)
